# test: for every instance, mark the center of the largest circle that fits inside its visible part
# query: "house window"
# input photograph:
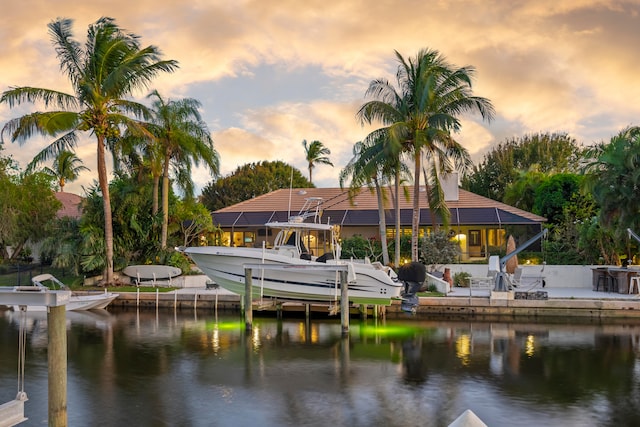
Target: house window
(391, 232)
(474, 238)
(240, 238)
(495, 237)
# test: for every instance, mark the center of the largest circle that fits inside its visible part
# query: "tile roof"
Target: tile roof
(71, 205)
(362, 209)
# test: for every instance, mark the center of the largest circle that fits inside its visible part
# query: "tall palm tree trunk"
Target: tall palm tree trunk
(415, 219)
(382, 224)
(165, 203)
(103, 181)
(397, 208)
(154, 195)
(432, 212)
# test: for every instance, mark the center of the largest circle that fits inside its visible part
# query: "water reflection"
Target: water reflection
(149, 368)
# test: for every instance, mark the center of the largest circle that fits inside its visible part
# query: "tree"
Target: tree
(420, 116)
(438, 249)
(316, 153)
(612, 176)
(372, 166)
(109, 67)
(554, 194)
(503, 165)
(361, 174)
(25, 218)
(183, 139)
(249, 181)
(132, 223)
(521, 193)
(66, 167)
(567, 242)
(358, 247)
(194, 220)
(61, 245)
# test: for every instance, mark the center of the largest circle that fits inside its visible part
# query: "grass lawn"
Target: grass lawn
(430, 294)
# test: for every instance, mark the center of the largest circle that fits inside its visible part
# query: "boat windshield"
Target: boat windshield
(290, 237)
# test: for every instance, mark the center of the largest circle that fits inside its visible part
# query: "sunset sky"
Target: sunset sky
(272, 73)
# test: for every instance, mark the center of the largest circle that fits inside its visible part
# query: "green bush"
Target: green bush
(438, 249)
(358, 247)
(461, 279)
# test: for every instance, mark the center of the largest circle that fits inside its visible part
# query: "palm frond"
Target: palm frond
(17, 95)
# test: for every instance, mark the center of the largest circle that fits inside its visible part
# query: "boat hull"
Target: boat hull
(297, 279)
(81, 302)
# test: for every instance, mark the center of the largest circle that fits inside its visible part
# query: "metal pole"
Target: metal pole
(344, 302)
(57, 358)
(248, 309)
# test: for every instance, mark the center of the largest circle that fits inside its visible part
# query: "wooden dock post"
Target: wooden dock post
(364, 311)
(344, 302)
(248, 308)
(344, 288)
(57, 358)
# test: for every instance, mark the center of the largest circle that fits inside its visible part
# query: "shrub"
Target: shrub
(359, 248)
(438, 249)
(461, 279)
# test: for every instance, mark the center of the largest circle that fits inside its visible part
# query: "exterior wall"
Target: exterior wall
(487, 237)
(557, 276)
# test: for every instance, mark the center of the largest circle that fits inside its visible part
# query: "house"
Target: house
(71, 205)
(479, 224)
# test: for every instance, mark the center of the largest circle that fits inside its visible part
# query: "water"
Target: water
(190, 369)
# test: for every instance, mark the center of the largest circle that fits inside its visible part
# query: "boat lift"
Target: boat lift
(501, 276)
(12, 413)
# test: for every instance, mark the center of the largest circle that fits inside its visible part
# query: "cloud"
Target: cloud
(272, 73)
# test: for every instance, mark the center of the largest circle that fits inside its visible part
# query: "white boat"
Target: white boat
(76, 302)
(140, 273)
(301, 277)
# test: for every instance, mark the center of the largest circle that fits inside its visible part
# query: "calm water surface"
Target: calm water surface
(195, 369)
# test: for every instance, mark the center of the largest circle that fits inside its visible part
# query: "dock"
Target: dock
(561, 302)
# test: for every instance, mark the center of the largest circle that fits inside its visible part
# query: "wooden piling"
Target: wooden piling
(57, 358)
(248, 309)
(344, 302)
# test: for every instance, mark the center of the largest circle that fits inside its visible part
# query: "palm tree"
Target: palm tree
(374, 165)
(66, 167)
(419, 117)
(316, 153)
(361, 173)
(613, 178)
(102, 73)
(180, 139)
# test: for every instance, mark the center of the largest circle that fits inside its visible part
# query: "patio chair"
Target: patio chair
(519, 280)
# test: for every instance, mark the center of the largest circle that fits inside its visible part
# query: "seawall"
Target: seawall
(207, 299)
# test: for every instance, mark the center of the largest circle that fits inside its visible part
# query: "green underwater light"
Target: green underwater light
(388, 330)
(225, 326)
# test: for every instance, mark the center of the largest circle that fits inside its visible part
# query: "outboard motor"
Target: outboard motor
(412, 275)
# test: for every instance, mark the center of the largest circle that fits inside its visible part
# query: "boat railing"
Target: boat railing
(310, 209)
